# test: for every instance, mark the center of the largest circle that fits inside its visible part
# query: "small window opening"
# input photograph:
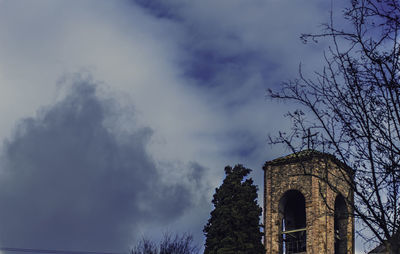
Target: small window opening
(293, 217)
(340, 225)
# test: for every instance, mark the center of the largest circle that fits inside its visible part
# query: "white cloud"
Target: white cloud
(131, 54)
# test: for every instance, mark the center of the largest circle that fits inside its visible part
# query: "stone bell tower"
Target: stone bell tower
(308, 205)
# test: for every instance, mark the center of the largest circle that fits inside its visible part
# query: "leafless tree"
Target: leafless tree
(177, 244)
(351, 109)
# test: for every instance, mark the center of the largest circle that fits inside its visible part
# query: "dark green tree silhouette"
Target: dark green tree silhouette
(233, 227)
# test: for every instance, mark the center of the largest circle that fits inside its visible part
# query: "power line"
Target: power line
(55, 251)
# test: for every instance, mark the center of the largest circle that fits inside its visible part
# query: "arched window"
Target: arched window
(340, 225)
(292, 213)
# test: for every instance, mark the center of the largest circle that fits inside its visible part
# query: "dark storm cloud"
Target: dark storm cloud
(228, 42)
(70, 180)
(160, 9)
(212, 54)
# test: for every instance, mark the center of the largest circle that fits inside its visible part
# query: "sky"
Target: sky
(118, 117)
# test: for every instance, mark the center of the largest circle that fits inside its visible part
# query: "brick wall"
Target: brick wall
(320, 180)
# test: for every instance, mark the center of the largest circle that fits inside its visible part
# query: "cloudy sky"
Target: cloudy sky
(118, 117)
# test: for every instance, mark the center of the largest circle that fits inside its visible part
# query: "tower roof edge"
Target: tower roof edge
(305, 155)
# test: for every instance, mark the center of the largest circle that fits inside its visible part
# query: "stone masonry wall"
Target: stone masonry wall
(310, 177)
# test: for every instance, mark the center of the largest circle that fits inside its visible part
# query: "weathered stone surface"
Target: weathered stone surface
(320, 178)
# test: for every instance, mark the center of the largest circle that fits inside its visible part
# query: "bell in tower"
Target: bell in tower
(308, 205)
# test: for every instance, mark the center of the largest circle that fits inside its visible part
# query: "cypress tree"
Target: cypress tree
(233, 227)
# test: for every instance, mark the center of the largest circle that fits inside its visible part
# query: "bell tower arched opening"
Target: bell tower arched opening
(340, 225)
(292, 214)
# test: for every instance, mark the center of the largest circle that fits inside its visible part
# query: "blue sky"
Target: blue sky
(118, 117)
